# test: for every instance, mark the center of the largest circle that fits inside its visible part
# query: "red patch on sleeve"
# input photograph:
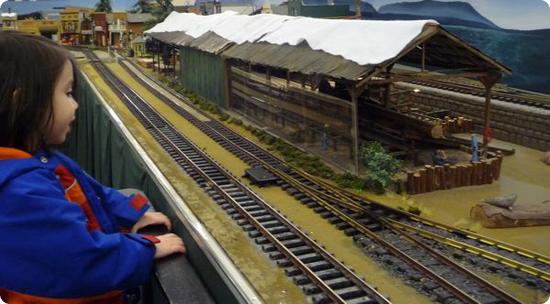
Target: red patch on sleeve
(65, 177)
(138, 202)
(151, 239)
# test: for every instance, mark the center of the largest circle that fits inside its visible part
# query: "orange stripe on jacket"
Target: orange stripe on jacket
(113, 297)
(11, 153)
(74, 194)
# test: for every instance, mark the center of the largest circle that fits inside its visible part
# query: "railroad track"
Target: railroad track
(316, 271)
(517, 97)
(497, 257)
(482, 291)
(468, 283)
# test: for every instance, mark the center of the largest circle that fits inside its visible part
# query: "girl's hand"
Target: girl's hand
(152, 218)
(169, 244)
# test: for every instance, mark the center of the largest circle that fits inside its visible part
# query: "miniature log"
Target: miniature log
(416, 179)
(446, 176)
(429, 127)
(430, 171)
(452, 178)
(438, 178)
(422, 180)
(460, 123)
(458, 176)
(475, 173)
(468, 175)
(410, 182)
(489, 165)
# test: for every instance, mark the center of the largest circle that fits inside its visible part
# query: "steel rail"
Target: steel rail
(295, 260)
(484, 240)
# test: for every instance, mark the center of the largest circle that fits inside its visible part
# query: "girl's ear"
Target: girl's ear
(15, 95)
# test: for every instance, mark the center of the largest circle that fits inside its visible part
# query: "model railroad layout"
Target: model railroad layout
(429, 256)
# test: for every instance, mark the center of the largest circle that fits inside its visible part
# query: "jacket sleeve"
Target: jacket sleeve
(46, 249)
(125, 210)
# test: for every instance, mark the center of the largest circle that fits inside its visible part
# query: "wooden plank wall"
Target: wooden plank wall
(290, 106)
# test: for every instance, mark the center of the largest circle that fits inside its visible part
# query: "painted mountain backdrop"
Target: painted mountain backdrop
(524, 51)
(445, 12)
(508, 14)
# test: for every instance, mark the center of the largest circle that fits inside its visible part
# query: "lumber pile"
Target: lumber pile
(459, 124)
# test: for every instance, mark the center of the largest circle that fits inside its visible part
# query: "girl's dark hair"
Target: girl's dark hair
(29, 68)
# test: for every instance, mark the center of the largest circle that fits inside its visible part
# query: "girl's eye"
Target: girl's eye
(70, 93)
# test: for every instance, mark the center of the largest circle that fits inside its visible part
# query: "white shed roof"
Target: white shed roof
(365, 42)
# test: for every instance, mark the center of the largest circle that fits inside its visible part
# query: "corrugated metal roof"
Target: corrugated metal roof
(274, 41)
(210, 42)
(140, 18)
(174, 38)
(299, 58)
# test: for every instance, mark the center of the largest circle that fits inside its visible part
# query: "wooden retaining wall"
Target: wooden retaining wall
(433, 178)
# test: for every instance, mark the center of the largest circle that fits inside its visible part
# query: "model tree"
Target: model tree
(381, 166)
(142, 6)
(164, 9)
(103, 6)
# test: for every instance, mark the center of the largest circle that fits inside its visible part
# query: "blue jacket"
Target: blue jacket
(49, 246)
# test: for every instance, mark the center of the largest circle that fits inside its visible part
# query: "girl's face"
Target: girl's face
(64, 106)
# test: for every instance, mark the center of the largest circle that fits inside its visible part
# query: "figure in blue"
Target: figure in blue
(475, 148)
(324, 138)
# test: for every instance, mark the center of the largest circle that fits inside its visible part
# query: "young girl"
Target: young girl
(65, 238)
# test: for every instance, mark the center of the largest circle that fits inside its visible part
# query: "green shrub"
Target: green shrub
(223, 116)
(348, 180)
(381, 166)
(414, 210)
(178, 87)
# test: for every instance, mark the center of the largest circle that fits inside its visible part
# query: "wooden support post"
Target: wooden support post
(358, 9)
(423, 57)
(268, 80)
(488, 81)
(387, 97)
(354, 128)
(227, 80)
(287, 79)
(174, 63)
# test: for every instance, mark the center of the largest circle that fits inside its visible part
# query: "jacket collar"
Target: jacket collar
(11, 153)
